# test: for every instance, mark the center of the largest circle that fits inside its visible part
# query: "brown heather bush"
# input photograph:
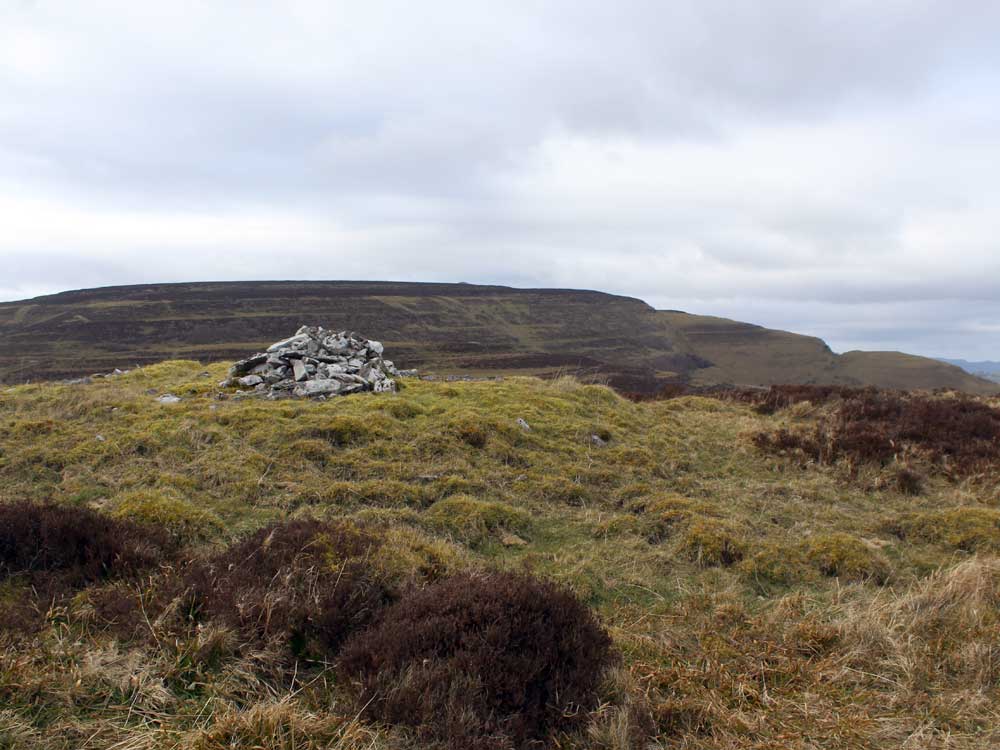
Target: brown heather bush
(52, 550)
(481, 662)
(70, 546)
(667, 392)
(763, 400)
(778, 397)
(305, 585)
(959, 435)
(908, 481)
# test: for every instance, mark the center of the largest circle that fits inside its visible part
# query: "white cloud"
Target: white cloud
(829, 169)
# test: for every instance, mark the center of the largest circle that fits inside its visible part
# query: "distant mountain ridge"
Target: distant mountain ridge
(444, 328)
(974, 366)
(986, 369)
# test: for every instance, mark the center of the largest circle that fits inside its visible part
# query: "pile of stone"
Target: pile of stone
(316, 363)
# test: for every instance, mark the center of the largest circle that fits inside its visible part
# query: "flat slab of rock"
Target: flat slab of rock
(318, 388)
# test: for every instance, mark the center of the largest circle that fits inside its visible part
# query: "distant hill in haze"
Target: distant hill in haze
(988, 370)
(444, 328)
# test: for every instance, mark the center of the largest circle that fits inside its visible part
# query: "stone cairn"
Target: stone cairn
(316, 363)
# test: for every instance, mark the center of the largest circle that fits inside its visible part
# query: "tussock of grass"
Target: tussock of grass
(341, 430)
(559, 490)
(472, 521)
(182, 520)
(472, 430)
(383, 493)
(970, 529)
(844, 556)
(940, 634)
(661, 515)
(408, 554)
(280, 725)
(775, 564)
(710, 541)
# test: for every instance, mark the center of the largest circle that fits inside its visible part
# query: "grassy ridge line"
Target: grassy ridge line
(757, 602)
(745, 354)
(441, 327)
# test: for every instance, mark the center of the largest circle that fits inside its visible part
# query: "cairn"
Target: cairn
(316, 363)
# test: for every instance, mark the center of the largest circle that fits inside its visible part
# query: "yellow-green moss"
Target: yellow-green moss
(711, 541)
(471, 429)
(845, 556)
(400, 408)
(375, 492)
(775, 563)
(182, 519)
(473, 521)
(971, 529)
(309, 449)
(342, 429)
(559, 489)
(662, 514)
(407, 553)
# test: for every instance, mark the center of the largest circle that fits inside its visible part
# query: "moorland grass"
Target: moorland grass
(756, 599)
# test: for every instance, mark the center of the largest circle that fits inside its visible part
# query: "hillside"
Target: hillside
(742, 353)
(756, 597)
(444, 328)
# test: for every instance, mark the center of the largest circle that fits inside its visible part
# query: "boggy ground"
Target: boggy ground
(759, 595)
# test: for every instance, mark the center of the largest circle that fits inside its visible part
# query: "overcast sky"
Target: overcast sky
(830, 168)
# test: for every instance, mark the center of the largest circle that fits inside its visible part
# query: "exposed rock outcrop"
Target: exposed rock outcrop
(316, 363)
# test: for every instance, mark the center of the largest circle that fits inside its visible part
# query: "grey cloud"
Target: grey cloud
(797, 161)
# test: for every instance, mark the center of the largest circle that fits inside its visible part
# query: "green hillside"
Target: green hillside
(746, 354)
(443, 328)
